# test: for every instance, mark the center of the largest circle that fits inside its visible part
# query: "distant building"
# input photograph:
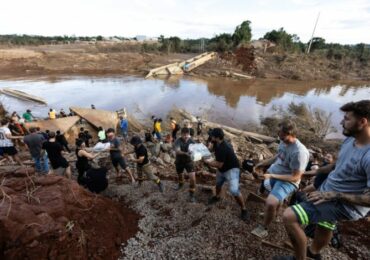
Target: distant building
(141, 38)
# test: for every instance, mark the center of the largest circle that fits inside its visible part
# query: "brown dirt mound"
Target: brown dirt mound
(246, 58)
(51, 217)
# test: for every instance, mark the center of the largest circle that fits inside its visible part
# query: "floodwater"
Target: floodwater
(234, 103)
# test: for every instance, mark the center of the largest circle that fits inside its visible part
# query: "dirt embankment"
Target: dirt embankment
(100, 59)
(51, 217)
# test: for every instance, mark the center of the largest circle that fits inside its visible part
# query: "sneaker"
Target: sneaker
(260, 231)
(245, 216)
(192, 198)
(213, 200)
(160, 186)
(283, 257)
(179, 186)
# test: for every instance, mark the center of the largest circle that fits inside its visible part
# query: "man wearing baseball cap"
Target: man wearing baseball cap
(228, 169)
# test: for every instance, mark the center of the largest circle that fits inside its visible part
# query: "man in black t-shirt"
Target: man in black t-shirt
(143, 164)
(227, 165)
(184, 162)
(116, 154)
(58, 162)
(60, 138)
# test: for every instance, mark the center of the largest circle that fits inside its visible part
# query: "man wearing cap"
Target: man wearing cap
(284, 175)
(143, 164)
(184, 162)
(227, 165)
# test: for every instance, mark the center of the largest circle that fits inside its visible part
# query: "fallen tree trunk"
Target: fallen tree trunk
(234, 131)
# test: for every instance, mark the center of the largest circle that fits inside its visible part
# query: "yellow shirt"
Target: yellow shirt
(52, 114)
(157, 127)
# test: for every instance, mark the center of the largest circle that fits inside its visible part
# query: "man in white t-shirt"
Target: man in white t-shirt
(6, 143)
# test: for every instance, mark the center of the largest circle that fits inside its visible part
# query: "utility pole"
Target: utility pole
(313, 32)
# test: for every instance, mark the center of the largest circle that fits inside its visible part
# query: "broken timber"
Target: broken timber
(170, 69)
(22, 95)
(192, 63)
(97, 117)
(264, 138)
(61, 124)
(179, 68)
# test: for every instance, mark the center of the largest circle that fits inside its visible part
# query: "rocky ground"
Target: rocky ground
(48, 216)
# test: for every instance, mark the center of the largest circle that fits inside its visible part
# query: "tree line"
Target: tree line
(285, 42)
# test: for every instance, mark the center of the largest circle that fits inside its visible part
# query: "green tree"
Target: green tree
(222, 42)
(242, 33)
(281, 38)
(99, 38)
(318, 43)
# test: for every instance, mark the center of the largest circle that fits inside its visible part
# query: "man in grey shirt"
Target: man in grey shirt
(344, 195)
(284, 174)
(34, 143)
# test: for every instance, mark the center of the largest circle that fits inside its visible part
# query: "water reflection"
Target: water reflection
(235, 103)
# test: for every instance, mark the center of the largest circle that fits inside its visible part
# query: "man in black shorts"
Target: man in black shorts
(143, 164)
(344, 195)
(54, 150)
(116, 154)
(184, 162)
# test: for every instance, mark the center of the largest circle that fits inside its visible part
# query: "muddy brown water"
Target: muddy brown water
(234, 103)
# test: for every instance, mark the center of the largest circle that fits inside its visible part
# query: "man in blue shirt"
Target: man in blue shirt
(124, 127)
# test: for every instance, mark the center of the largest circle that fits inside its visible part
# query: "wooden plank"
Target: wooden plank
(23, 95)
(265, 138)
(61, 124)
(98, 117)
(197, 61)
(164, 70)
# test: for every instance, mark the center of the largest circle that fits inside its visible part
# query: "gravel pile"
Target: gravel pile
(172, 228)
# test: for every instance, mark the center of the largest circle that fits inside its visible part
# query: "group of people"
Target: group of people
(340, 190)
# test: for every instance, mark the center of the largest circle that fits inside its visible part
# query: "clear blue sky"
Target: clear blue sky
(343, 21)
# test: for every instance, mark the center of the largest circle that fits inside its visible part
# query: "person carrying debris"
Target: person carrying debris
(227, 165)
(54, 150)
(183, 162)
(124, 127)
(116, 154)
(6, 144)
(28, 117)
(34, 143)
(175, 127)
(344, 195)
(143, 164)
(52, 114)
(187, 124)
(62, 140)
(82, 163)
(284, 175)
